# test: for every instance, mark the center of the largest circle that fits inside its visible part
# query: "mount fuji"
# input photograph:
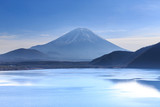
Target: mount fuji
(78, 45)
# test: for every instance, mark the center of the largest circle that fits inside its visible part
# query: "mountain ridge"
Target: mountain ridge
(150, 58)
(23, 54)
(146, 57)
(78, 44)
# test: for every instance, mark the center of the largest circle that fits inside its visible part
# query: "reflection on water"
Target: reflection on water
(80, 88)
(136, 89)
(12, 83)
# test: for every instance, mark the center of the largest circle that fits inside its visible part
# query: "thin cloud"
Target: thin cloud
(44, 35)
(111, 31)
(134, 43)
(8, 37)
(7, 45)
(149, 7)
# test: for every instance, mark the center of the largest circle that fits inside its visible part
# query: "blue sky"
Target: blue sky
(28, 22)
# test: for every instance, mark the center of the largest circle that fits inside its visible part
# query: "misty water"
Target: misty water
(80, 88)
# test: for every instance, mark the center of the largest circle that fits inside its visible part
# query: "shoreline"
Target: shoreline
(35, 65)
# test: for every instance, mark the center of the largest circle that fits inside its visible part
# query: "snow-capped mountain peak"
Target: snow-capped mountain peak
(78, 44)
(78, 35)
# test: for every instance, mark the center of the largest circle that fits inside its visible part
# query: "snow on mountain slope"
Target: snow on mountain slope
(79, 44)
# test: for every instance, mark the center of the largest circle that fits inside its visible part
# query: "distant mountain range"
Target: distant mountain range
(83, 45)
(78, 45)
(23, 55)
(147, 57)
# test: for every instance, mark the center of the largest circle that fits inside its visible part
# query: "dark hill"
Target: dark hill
(150, 58)
(114, 59)
(147, 57)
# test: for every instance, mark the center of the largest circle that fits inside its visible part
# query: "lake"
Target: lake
(80, 88)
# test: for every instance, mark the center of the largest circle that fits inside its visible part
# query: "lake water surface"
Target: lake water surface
(80, 88)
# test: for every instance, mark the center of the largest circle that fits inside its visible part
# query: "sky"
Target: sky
(131, 24)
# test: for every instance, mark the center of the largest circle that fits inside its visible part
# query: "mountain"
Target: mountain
(149, 58)
(114, 59)
(23, 55)
(79, 44)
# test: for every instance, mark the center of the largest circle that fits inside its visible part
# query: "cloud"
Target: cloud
(7, 36)
(145, 32)
(44, 35)
(149, 7)
(111, 33)
(7, 45)
(10, 42)
(134, 43)
(111, 30)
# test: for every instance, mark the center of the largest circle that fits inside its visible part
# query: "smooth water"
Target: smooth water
(80, 88)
